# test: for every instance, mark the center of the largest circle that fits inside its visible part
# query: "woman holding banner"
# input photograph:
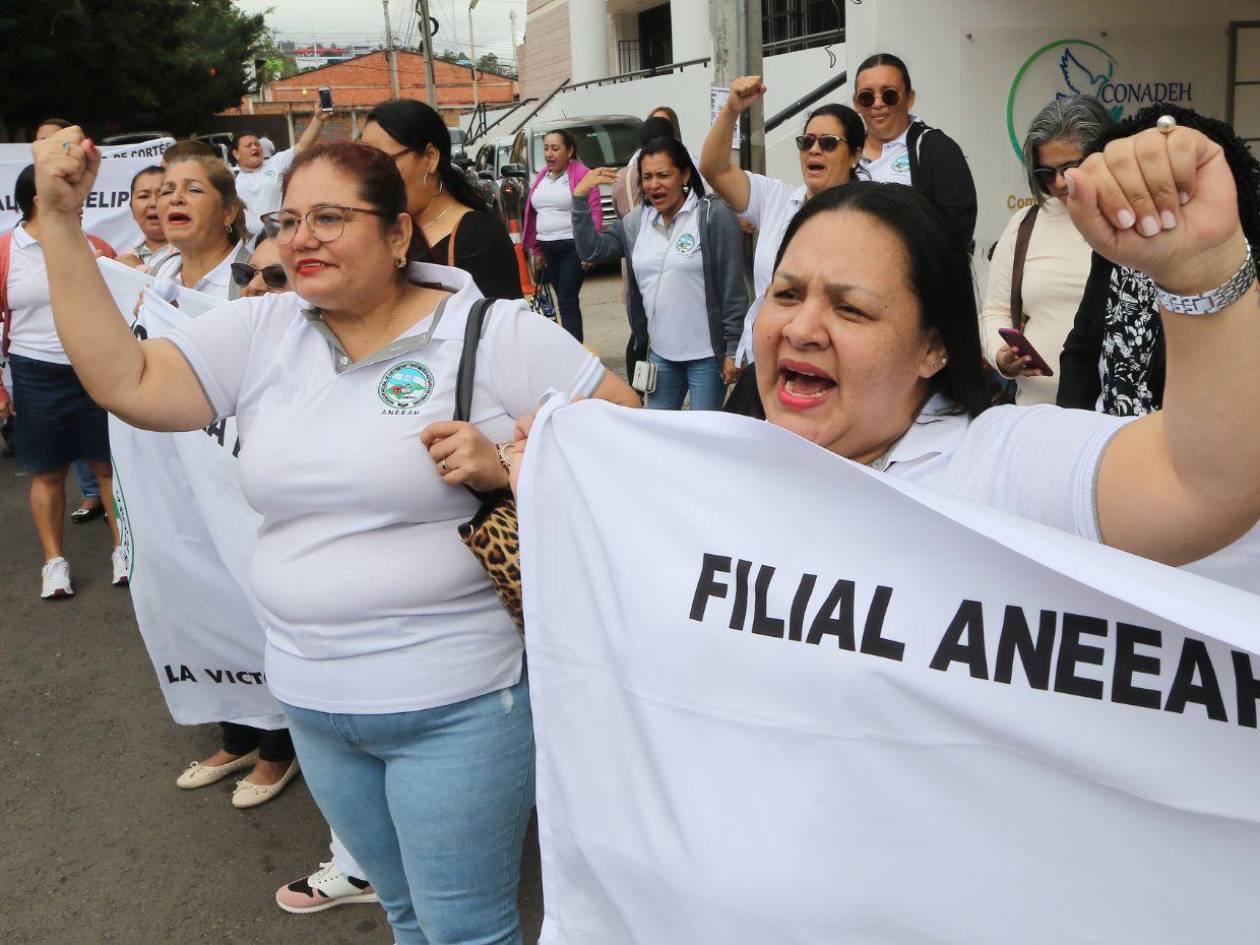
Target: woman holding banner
(400, 672)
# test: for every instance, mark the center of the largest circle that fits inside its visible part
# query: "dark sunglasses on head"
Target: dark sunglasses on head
(1047, 174)
(826, 142)
(866, 98)
(273, 276)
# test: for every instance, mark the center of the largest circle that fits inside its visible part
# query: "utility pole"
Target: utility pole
(472, 45)
(736, 29)
(389, 52)
(422, 10)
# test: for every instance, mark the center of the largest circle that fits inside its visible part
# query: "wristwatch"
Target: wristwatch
(1214, 300)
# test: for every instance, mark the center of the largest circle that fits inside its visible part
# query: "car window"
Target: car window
(504, 151)
(599, 144)
(518, 151)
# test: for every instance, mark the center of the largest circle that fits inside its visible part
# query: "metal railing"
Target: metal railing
(806, 100)
(541, 105)
(808, 41)
(477, 127)
(639, 74)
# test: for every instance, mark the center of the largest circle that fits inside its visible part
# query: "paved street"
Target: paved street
(99, 846)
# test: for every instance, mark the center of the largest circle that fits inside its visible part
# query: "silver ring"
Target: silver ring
(445, 468)
(1166, 124)
(65, 146)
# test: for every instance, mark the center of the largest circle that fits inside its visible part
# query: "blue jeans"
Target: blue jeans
(433, 804)
(565, 272)
(702, 376)
(88, 485)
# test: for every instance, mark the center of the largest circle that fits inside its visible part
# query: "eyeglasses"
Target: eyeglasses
(866, 98)
(325, 223)
(273, 276)
(1047, 174)
(828, 143)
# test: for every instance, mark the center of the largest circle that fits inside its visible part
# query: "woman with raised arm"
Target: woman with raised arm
(379, 621)
(830, 147)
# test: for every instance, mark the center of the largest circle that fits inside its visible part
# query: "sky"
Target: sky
(363, 21)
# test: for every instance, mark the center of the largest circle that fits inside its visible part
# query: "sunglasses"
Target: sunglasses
(866, 98)
(273, 276)
(1047, 174)
(828, 143)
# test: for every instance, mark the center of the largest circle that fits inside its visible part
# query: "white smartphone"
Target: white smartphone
(644, 380)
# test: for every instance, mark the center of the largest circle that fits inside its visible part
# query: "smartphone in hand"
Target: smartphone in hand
(1023, 347)
(325, 100)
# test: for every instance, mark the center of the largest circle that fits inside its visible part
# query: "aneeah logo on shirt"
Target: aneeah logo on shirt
(901, 163)
(686, 243)
(405, 386)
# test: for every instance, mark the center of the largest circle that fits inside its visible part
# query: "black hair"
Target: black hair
(415, 125)
(241, 136)
(566, 135)
(938, 269)
(886, 59)
(851, 121)
(151, 169)
(56, 122)
(1242, 163)
(671, 116)
(679, 157)
(24, 192)
(653, 128)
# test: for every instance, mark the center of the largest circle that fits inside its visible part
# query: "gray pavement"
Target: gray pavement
(99, 846)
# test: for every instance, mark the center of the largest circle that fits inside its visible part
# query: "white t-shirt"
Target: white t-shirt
(259, 189)
(771, 206)
(553, 201)
(669, 268)
(893, 164)
(32, 333)
(374, 605)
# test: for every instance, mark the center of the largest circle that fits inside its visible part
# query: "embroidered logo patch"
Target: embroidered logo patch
(405, 386)
(900, 164)
(686, 243)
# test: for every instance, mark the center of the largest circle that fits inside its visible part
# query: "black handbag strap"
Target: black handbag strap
(468, 359)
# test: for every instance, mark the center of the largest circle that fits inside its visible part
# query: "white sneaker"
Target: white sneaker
(122, 569)
(56, 575)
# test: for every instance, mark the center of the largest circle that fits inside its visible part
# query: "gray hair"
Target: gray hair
(1077, 118)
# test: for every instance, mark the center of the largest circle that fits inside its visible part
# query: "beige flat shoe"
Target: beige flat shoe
(248, 794)
(198, 775)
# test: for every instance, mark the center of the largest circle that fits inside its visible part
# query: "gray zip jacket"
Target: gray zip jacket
(722, 249)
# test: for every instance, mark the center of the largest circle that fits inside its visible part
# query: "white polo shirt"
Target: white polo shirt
(259, 189)
(32, 333)
(669, 268)
(553, 202)
(218, 281)
(893, 164)
(374, 605)
(771, 206)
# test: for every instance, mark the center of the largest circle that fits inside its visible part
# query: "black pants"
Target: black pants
(564, 271)
(272, 745)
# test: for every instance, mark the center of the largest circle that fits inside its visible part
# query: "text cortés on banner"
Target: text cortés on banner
(789, 699)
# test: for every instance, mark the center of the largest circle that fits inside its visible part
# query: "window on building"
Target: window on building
(791, 25)
(656, 47)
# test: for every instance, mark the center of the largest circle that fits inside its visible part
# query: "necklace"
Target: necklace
(425, 226)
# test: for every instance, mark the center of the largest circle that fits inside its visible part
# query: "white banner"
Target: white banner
(189, 536)
(107, 212)
(781, 698)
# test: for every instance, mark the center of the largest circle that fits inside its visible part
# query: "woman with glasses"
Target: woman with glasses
(901, 149)
(830, 149)
(204, 220)
(1040, 252)
(686, 295)
(452, 221)
(263, 273)
(400, 672)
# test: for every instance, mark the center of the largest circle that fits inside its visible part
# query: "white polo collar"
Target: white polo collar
(935, 430)
(689, 205)
(432, 327)
(23, 239)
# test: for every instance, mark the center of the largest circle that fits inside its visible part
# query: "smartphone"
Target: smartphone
(1023, 347)
(325, 99)
(644, 380)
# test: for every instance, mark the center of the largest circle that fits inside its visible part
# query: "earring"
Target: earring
(400, 262)
(942, 362)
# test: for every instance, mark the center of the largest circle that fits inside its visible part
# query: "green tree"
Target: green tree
(488, 63)
(140, 65)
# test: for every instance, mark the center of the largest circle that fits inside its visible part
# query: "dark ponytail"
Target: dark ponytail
(415, 125)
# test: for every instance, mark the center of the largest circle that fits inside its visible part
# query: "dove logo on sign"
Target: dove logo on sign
(1068, 67)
